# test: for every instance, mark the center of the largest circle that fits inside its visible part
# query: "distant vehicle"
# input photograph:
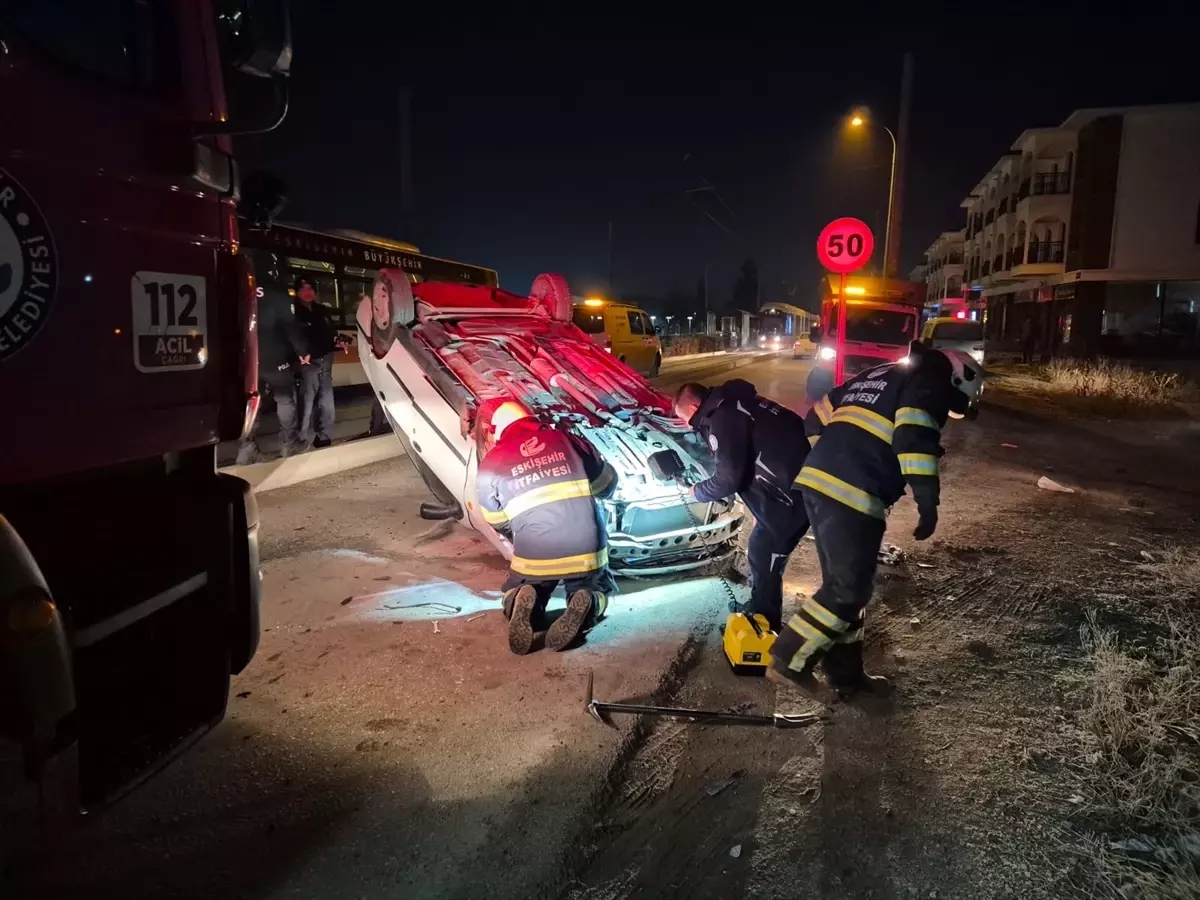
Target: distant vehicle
(624, 331)
(882, 320)
(951, 333)
(802, 348)
(342, 266)
(436, 357)
(773, 341)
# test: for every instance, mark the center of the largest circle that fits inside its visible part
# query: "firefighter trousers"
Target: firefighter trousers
(829, 625)
(596, 581)
(777, 530)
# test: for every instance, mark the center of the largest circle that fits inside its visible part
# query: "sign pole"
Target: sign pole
(839, 361)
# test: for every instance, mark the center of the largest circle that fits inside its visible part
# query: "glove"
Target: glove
(927, 523)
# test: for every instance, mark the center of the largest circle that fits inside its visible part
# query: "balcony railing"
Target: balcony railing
(1052, 183)
(1045, 252)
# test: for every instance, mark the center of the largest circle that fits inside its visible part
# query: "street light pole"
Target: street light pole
(887, 229)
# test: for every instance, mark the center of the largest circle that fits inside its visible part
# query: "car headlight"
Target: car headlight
(826, 353)
(977, 355)
(904, 360)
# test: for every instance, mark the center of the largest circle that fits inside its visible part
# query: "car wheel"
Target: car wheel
(654, 369)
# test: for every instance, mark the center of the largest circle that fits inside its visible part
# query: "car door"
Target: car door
(636, 354)
(650, 341)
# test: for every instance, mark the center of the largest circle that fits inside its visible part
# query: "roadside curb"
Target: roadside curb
(280, 473)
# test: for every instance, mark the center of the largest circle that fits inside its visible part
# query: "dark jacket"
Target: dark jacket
(316, 323)
(759, 445)
(280, 341)
(541, 484)
(879, 431)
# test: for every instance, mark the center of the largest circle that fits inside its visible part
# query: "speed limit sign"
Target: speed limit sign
(845, 245)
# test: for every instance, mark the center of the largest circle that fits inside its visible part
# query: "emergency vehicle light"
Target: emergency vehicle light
(593, 301)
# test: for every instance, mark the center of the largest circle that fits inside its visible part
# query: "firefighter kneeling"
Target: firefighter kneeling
(538, 485)
(869, 437)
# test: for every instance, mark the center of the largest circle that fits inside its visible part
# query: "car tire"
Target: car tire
(654, 369)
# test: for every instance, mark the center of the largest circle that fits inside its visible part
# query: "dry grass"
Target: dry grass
(1139, 763)
(1175, 567)
(1095, 388)
(1116, 381)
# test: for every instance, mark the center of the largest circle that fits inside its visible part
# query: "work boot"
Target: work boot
(783, 651)
(520, 618)
(844, 670)
(584, 609)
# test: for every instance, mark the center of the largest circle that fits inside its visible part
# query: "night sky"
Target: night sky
(531, 133)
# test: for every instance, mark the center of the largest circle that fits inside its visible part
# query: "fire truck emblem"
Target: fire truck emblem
(28, 268)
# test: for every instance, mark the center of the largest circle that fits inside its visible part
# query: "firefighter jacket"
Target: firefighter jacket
(876, 432)
(759, 446)
(540, 485)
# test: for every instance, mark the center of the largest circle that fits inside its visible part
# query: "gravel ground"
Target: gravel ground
(368, 754)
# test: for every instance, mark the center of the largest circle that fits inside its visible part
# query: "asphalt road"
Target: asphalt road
(378, 746)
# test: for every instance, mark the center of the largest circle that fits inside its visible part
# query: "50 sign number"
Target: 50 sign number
(845, 245)
(163, 295)
(840, 244)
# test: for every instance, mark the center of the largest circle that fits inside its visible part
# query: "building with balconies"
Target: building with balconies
(943, 275)
(1092, 229)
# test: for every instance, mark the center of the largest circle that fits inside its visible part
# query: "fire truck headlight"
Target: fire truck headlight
(904, 360)
(826, 353)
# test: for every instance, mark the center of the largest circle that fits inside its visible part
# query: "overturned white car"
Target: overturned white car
(434, 352)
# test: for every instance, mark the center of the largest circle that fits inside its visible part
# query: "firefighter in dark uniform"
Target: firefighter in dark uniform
(870, 436)
(538, 486)
(759, 448)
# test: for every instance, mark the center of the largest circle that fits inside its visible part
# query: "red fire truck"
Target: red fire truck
(129, 582)
(882, 319)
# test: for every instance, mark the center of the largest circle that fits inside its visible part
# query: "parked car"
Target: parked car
(955, 334)
(624, 331)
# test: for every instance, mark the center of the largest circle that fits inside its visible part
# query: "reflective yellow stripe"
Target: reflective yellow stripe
(812, 440)
(918, 463)
(813, 641)
(871, 422)
(563, 490)
(564, 565)
(604, 480)
(824, 616)
(824, 409)
(910, 415)
(855, 498)
(494, 518)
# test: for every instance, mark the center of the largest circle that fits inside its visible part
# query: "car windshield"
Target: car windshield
(876, 326)
(590, 322)
(958, 331)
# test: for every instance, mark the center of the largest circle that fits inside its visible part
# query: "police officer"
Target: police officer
(759, 448)
(282, 351)
(538, 486)
(869, 436)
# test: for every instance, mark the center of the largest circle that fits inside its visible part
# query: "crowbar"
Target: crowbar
(599, 710)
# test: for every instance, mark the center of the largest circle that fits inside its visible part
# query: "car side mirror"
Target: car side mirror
(657, 330)
(814, 334)
(255, 39)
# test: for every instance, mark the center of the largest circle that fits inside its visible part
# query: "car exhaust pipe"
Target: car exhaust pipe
(437, 512)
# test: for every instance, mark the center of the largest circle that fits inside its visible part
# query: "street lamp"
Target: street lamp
(859, 120)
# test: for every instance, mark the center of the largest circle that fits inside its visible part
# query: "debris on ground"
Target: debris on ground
(436, 630)
(914, 622)
(242, 695)
(1049, 484)
(347, 600)
(1147, 556)
(890, 555)
(717, 786)
(735, 851)
(473, 618)
(1009, 446)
